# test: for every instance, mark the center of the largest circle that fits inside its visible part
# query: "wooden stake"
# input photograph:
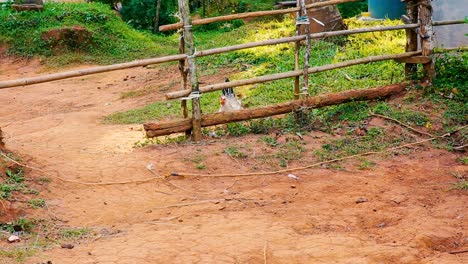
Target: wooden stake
(196, 111)
(426, 35)
(297, 51)
(183, 73)
(305, 75)
(411, 37)
(166, 128)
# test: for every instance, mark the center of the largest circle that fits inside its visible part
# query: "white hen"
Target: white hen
(228, 100)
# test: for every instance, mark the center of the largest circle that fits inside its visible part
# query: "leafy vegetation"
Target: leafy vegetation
(74, 233)
(37, 203)
(352, 9)
(235, 152)
(21, 224)
(140, 14)
(17, 254)
(13, 182)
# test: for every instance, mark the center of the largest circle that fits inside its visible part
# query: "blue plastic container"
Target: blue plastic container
(392, 9)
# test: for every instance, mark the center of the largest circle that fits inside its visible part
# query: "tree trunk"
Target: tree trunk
(156, 17)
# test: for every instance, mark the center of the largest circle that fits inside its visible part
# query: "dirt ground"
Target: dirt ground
(411, 215)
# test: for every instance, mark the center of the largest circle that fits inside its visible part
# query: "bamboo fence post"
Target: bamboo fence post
(305, 77)
(411, 36)
(297, 52)
(426, 34)
(183, 74)
(188, 37)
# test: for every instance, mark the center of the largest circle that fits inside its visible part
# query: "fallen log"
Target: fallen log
(170, 127)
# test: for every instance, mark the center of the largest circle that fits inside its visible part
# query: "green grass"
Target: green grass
(25, 224)
(13, 182)
(37, 203)
(279, 58)
(74, 233)
(235, 152)
(376, 139)
(17, 254)
(463, 160)
(461, 184)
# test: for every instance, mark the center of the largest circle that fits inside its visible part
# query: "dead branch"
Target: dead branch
(404, 125)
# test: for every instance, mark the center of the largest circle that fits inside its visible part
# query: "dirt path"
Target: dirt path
(410, 215)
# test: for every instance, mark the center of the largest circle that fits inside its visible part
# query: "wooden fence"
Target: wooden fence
(418, 25)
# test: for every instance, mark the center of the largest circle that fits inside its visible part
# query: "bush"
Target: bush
(140, 14)
(451, 77)
(352, 9)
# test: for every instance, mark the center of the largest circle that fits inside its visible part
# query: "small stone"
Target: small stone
(169, 105)
(67, 246)
(381, 225)
(398, 199)
(14, 239)
(292, 176)
(293, 186)
(361, 200)
(213, 134)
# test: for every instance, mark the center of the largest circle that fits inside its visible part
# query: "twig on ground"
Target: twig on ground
(232, 185)
(404, 125)
(52, 215)
(458, 252)
(192, 203)
(265, 244)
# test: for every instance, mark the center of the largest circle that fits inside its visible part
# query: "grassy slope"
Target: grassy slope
(112, 41)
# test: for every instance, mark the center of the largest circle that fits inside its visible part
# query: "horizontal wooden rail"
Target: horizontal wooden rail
(170, 127)
(290, 74)
(94, 70)
(209, 20)
(448, 22)
(302, 37)
(139, 63)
